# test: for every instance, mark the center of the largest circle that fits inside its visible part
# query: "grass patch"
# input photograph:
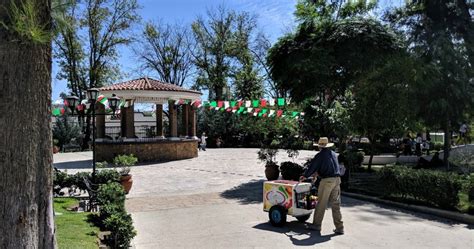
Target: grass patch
(73, 229)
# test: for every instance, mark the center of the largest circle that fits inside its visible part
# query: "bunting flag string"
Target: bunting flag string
(257, 107)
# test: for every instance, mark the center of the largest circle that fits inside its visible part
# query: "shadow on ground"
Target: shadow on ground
(394, 213)
(252, 193)
(246, 193)
(297, 233)
(83, 164)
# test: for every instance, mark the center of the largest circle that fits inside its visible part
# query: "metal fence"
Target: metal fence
(114, 132)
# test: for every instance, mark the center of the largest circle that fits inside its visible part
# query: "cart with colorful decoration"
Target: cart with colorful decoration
(282, 198)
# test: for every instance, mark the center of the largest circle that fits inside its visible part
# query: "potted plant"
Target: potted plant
(124, 162)
(268, 156)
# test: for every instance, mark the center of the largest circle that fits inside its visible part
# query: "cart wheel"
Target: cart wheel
(303, 218)
(277, 216)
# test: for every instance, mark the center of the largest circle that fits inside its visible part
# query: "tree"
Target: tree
(91, 62)
(26, 212)
(166, 50)
(223, 57)
(441, 38)
(64, 130)
(383, 101)
(260, 51)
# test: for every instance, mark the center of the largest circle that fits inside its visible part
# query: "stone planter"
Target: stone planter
(127, 182)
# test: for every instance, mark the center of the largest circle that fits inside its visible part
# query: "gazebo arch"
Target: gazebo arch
(159, 147)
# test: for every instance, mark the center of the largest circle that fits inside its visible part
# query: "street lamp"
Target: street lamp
(72, 102)
(92, 94)
(113, 102)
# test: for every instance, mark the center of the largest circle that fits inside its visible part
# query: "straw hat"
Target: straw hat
(323, 143)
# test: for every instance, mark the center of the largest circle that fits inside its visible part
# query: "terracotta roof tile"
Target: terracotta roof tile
(147, 84)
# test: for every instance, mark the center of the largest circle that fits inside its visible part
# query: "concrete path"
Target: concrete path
(215, 201)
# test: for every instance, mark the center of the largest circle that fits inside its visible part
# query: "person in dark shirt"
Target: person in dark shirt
(326, 166)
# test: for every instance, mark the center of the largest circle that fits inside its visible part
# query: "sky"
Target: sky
(275, 18)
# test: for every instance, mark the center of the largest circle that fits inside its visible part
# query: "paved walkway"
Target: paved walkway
(215, 201)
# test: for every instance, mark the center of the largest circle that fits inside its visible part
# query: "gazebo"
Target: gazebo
(159, 147)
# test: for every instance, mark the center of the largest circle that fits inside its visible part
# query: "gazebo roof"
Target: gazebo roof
(149, 90)
(147, 84)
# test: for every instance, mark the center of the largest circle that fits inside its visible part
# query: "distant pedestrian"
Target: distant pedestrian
(219, 142)
(419, 141)
(463, 131)
(203, 141)
(325, 166)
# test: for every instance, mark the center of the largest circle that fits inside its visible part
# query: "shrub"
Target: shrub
(125, 161)
(352, 159)
(122, 231)
(106, 175)
(438, 146)
(60, 179)
(434, 187)
(64, 131)
(291, 171)
(111, 193)
(113, 216)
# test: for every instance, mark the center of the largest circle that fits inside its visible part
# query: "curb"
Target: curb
(464, 218)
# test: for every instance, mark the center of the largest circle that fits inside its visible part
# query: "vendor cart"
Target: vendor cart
(282, 198)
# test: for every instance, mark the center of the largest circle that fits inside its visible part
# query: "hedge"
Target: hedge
(437, 188)
(114, 217)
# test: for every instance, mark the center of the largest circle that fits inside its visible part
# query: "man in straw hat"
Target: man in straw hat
(325, 165)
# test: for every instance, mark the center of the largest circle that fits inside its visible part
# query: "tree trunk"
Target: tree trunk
(26, 211)
(372, 148)
(447, 144)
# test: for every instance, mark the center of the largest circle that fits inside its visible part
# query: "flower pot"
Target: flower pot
(126, 181)
(272, 172)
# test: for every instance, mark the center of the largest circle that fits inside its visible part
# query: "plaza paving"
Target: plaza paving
(215, 201)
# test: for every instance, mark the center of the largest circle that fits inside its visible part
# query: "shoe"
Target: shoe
(338, 232)
(313, 228)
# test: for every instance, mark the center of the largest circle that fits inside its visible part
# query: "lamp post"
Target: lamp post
(92, 95)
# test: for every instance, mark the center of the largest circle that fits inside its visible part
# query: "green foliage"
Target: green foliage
(463, 159)
(60, 180)
(104, 176)
(443, 63)
(435, 187)
(323, 118)
(113, 216)
(383, 100)
(64, 131)
(125, 160)
(120, 224)
(291, 171)
(438, 146)
(63, 180)
(351, 159)
(111, 193)
(244, 130)
(324, 60)
(26, 23)
(323, 10)
(223, 54)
